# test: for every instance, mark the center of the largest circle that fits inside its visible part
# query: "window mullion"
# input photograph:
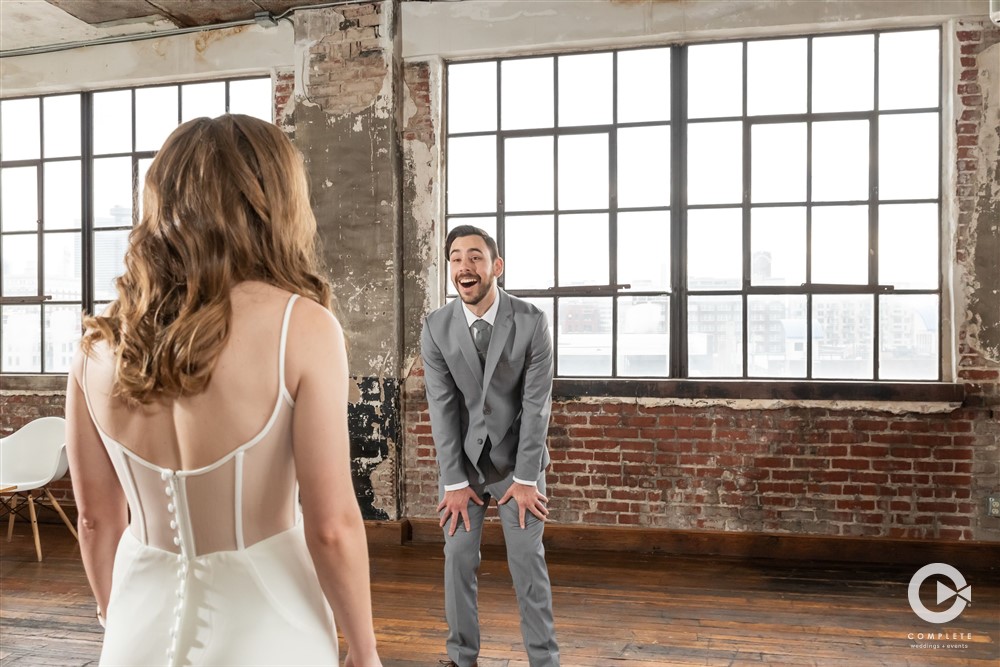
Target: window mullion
(86, 199)
(678, 212)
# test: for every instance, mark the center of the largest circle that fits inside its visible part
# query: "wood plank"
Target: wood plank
(641, 610)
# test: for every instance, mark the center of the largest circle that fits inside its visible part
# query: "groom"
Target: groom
(488, 371)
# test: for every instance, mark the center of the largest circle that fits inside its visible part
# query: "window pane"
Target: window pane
(643, 336)
(715, 163)
(908, 156)
(715, 336)
(529, 252)
(203, 99)
(908, 329)
(109, 262)
(22, 339)
(843, 73)
(778, 246)
(908, 69)
(643, 85)
(585, 336)
(770, 94)
(842, 336)
(472, 97)
(778, 163)
(585, 96)
(155, 116)
(644, 166)
(583, 249)
(63, 207)
(113, 192)
(62, 125)
(113, 121)
(62, 266)
(526, 92)
(486, 223)
(20, 265)
(528, 174)
(19, 205)
(715, 249)
(644, 250)
(777, 335)
(908, 246)
(840, 161)
(583, 171)
(252, 97)
(20, 137)
(472, 175)
(715, 80)
(62, 333)
(840, 245)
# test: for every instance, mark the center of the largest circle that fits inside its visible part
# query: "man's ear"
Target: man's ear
(498, 267)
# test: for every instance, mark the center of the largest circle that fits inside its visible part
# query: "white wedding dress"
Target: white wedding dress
(213, 568)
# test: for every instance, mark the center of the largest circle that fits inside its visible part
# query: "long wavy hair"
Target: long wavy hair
(226, 200)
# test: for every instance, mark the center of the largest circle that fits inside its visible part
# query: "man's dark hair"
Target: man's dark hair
(469, 230)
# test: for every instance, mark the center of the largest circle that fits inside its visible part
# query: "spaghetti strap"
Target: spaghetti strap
(281, 349)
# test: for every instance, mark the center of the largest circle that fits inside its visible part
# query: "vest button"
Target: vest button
(479, 441)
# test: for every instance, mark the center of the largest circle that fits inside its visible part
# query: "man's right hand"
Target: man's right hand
(456, 504)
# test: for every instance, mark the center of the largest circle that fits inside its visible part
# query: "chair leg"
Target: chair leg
(10, 520)
(55, 504)
(34, 527)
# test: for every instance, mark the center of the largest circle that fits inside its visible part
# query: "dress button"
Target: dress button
(169, 491)
(164, 475)
(170, 507)
(173, 525)
(177, 541)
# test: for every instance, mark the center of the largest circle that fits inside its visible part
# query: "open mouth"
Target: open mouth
(467, 282)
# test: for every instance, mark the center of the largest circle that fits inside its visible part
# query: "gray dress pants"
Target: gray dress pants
(526, 559)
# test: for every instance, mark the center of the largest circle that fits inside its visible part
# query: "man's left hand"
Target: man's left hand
(527, 498)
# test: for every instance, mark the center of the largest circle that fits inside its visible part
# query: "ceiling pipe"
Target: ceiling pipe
(265, 19)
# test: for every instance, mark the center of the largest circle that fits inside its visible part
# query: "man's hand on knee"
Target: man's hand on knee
(527, 498)
(456, 504)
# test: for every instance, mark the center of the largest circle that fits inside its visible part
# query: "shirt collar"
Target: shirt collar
(489, 316)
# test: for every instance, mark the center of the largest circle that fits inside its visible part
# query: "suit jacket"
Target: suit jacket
(508, 401)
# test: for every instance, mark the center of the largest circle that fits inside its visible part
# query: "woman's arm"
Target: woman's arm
(102, 511)
(317, 376)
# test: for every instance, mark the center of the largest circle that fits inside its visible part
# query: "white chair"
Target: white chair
(30, 459)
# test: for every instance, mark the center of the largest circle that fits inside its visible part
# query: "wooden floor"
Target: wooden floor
(617, 609)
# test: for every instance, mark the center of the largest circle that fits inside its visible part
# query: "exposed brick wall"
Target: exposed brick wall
(801, 470)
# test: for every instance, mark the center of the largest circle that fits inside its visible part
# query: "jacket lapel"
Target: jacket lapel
(461, 327)
(502, 326)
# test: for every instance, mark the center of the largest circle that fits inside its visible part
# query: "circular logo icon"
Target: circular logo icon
(960, 590)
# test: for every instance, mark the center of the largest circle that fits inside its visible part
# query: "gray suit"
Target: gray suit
(489, 426)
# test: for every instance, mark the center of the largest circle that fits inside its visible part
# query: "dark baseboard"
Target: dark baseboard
(967, 555)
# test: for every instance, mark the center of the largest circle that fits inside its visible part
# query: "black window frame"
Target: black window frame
(87, 229)
(678, 382)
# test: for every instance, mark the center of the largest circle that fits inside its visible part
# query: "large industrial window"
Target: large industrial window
(70, 171)
(749, 209)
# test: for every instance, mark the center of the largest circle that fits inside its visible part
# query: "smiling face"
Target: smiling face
(473, 272)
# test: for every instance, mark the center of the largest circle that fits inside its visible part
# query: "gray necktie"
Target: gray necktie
(481, 332)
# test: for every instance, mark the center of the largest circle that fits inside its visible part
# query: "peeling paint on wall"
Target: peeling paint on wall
(984, 292)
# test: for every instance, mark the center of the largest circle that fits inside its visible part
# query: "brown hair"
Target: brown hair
(469, 230)
(226, 200)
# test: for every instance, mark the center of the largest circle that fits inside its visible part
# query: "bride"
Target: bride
(208, 403)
